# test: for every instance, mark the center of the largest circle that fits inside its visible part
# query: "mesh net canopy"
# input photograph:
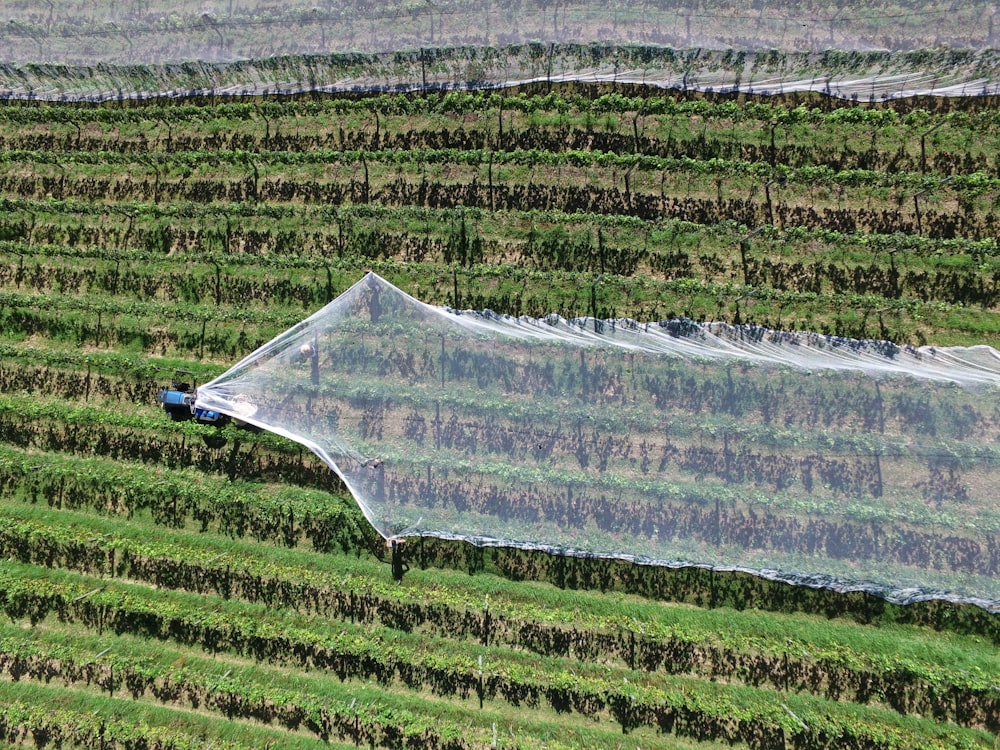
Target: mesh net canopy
(880, 49)
(826, 461)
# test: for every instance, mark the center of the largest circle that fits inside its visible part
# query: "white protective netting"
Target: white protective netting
(794, 455)
(72, 51)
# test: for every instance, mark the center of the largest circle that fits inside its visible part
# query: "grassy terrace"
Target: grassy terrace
(161, 587)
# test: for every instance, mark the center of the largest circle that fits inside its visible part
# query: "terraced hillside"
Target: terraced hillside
(170, 586)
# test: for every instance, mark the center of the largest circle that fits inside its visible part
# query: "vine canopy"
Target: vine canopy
(820, 460)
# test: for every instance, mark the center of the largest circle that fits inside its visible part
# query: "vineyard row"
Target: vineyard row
(330, 721)
(223, 332)
(127, 436)
(947, 280)
(40, 720)
(833, 675)
(682, 706)
(205, 226)
(494, 195)
(698, 394)
(758, 110)
(751, 164)
(173, 498)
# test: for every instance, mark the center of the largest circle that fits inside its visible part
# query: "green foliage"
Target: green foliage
(136, 240)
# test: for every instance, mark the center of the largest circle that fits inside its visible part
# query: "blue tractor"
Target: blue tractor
(180, 403)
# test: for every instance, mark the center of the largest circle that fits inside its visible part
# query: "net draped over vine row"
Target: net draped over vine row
(826, 461)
